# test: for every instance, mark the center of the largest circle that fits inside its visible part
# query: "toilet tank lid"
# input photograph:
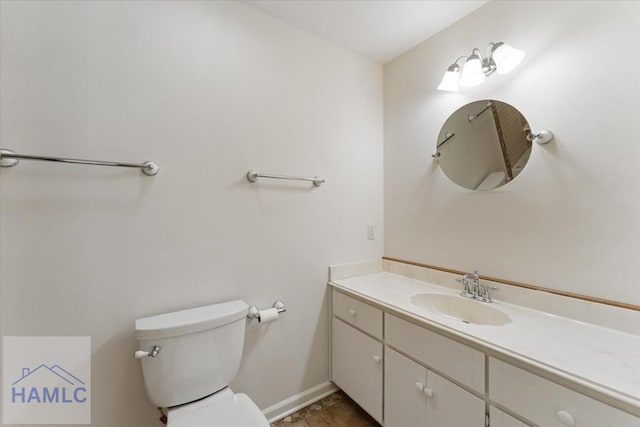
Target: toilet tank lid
(190, 321)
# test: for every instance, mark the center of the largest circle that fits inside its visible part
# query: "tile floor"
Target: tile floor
(335, 410)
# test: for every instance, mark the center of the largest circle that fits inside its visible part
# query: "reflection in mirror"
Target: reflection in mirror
(484, 145)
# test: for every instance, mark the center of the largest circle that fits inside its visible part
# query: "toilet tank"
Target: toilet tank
(201, 349)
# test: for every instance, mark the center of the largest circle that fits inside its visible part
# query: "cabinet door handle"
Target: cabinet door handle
(352, 312)
(566, 418)
(427, 391)
(376, 359)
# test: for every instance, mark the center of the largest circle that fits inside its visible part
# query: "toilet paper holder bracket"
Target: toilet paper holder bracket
(254, 311)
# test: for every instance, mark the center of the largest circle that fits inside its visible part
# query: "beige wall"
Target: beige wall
(208, 90)
(571, 220)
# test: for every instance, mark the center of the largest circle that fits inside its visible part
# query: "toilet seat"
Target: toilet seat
(221, 409)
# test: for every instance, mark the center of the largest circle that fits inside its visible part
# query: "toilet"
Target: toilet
(189, 357)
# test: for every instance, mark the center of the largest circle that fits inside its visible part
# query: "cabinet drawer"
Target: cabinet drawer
(501, 419)
(459, 362)
(544, 402)
(357, 367)
(358, 314)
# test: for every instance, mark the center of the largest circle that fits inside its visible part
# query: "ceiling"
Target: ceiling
(378, 29)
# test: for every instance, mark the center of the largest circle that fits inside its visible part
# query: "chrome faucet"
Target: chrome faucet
(472, 288)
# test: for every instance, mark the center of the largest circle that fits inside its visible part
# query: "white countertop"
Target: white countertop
(605, 360)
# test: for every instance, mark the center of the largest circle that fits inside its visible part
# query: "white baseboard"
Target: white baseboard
(299, 401)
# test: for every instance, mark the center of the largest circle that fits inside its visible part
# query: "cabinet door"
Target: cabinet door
(451, 405)
(405, 404)
(357, 367)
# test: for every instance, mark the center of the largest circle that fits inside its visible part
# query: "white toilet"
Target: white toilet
(197, 354)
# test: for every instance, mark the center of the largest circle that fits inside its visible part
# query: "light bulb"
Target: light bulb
(506, 57)
(472, 74)
(450, 79)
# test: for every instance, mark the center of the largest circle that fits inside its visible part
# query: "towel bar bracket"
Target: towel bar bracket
(7, 162)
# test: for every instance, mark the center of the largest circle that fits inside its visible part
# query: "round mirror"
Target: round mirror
(484, 145)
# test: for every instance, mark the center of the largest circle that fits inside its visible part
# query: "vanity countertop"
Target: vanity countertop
(604, 360)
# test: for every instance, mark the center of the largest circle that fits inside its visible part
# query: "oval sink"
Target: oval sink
(463, 309)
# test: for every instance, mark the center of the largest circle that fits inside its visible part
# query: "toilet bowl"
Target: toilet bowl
(189, 358)
(223, 408)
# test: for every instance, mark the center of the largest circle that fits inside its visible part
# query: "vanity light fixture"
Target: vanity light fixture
(501, 58)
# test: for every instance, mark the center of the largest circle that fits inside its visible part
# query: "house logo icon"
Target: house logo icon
(48, 384)
(46, 380)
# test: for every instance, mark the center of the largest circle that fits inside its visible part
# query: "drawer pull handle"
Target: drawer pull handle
(566, 418)
(352, 312)
(419, 387)
(376, 359)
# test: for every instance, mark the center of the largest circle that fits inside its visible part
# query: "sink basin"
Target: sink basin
(463, 309)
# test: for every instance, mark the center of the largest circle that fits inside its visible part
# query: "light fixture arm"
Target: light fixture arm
(459, 58)
(493, 47)
(455, 67)
(488, 64)
(490, 49)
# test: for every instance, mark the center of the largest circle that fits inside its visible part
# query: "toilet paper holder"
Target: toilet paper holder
(254, 311)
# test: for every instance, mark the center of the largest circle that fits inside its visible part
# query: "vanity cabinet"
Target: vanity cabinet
(415, 396)
(431, 380)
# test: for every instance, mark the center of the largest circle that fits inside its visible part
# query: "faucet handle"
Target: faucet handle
(485, 285)
(466, 290)
(486, 295)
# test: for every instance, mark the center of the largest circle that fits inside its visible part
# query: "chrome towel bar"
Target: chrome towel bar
(253, 177)
(9, 159)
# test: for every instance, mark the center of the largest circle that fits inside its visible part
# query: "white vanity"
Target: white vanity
(404, 351)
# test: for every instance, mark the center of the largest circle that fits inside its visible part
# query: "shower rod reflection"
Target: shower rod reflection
(253, 176)
(9, 158)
